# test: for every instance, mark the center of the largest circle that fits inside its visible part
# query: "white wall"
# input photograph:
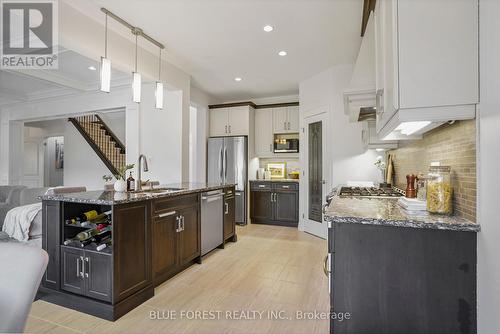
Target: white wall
(198, 133)
(156, 133)
(349, 159)
(82, 166)
(489, 165)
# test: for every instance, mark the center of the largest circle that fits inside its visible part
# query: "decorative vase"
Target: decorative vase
(120, 186)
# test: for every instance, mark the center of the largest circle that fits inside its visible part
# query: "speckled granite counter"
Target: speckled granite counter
(113, 198)
(276, 180)
(378, 211)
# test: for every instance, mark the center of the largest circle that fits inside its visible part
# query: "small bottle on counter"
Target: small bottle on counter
(130, 183)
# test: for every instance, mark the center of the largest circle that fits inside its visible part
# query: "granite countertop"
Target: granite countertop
(387, 212)
(276, 180)
(103, 197)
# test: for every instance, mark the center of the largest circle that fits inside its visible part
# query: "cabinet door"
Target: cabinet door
(218, 122)
(293, 119)
(280, 119)
(264, 137)
(238, 121)
(286, 206)
(438, 61)
(98, 276)
(131, 248)
(72, 270)
(189, 237)
(388, 102)
(261, 205)
(164, 238)
(229, 217)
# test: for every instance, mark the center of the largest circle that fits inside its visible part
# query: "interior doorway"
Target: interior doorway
(315, 173)
(53, 175)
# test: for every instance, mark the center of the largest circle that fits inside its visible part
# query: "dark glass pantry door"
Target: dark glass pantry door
(315, 157)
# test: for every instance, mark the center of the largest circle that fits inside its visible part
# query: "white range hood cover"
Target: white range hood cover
(361, 91)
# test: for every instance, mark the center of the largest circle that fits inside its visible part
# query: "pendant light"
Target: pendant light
(105, 74)
(136, 78)
(159, 87)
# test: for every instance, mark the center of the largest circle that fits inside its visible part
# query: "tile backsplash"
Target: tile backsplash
(292, 164)
(452, 145)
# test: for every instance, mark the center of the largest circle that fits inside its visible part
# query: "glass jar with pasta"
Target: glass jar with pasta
(439, 190)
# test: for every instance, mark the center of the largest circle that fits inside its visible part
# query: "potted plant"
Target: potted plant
(120, 183)
(381, 166)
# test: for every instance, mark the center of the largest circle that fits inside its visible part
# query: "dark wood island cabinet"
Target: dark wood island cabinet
(153, 237)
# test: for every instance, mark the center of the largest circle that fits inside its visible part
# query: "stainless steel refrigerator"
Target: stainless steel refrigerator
(227, 163)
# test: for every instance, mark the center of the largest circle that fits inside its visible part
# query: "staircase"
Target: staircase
(103, 141)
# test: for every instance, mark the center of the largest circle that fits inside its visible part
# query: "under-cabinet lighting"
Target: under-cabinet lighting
(409, 128)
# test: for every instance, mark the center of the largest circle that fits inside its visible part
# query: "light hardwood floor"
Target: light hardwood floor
(270, 268)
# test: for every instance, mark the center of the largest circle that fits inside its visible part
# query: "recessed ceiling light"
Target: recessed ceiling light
(92, 68)
(282, 53)
(268, 28)
(237, 79)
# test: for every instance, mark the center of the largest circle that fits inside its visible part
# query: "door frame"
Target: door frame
(305, 224)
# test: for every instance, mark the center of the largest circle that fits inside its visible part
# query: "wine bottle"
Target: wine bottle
(101, 217)
(103, 245)
(98, 238)
(130, 183)
(89, 215)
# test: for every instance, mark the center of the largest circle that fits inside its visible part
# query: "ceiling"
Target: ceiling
(217, 40)
(72, 76)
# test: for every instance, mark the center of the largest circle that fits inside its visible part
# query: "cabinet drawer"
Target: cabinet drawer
(170, 203)
(286, 186)
(260, 185)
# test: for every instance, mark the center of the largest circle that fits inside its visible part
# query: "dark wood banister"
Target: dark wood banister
(111, 133)
(93, 145)
(368, 8)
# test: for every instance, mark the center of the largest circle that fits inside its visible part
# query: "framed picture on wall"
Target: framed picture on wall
(59, 153)
(277, 170)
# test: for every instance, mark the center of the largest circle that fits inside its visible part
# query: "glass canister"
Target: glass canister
(439, 190)
(421, 187)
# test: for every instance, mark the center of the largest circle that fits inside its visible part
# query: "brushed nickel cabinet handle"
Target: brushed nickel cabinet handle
(325, 266)
(227, 208)
(166, 214)
(272, 197)
(262, 186)
(86, 273)
(78, 267)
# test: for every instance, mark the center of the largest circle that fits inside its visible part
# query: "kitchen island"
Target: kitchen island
(395, 272)
(155, 234)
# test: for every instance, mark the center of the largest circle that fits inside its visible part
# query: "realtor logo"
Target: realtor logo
(29, 34)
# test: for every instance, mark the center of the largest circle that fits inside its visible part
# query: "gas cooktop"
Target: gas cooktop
(370, 192)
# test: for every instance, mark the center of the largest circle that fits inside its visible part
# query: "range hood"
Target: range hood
(361, 92)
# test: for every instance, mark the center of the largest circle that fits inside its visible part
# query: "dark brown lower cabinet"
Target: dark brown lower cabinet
(229, 215)
(164, 246)
(86, 273)
(176, 236)
(275, 203)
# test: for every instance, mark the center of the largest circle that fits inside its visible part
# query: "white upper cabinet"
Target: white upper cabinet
(232, 121)
(293, 119)
(264, 137)
(426, 62)
(218, 122)
(286, 119)
(239, 121)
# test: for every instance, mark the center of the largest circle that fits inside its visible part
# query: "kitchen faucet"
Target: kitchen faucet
(142, 158)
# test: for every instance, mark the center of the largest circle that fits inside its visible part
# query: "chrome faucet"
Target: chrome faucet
(138, 183)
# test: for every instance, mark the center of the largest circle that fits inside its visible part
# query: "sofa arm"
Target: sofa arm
(14, 196)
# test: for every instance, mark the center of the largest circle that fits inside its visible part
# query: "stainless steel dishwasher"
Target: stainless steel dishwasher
(212, 220)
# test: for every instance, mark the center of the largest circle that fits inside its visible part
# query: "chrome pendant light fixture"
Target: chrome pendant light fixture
(105, 68)
(159, 87)
(136, 76)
